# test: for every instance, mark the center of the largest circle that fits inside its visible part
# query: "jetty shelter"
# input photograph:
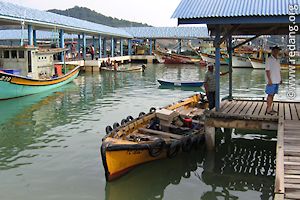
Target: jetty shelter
(226, 18)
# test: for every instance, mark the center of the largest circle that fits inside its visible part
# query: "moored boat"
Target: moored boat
(156, 135)
(172, 58)
(35, 69)
(240, 61)
(124, 69)
(212, 58)
(181, 83)
(260, 64)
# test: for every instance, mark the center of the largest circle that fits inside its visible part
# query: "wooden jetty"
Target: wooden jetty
(252, 115)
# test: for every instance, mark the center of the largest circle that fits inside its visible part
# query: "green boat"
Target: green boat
(34, 71)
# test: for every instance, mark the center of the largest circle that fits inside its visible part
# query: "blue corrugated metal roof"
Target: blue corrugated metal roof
(46, 35)
(188, 9)
(13, 11)
(168, 32)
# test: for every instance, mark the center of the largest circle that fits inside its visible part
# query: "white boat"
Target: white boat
(257, 63)
(240, 61)
(125, 69)
(211, 58)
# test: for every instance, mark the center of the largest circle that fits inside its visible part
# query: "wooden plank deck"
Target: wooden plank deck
(291, 138)
(251, 114)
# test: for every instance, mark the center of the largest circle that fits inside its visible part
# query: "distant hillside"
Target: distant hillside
(92, 16)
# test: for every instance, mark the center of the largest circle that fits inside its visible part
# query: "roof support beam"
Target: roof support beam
(245, 42)
(229, 50)
(100, 46)
(229, 33)
(30, 35)
(217, 70)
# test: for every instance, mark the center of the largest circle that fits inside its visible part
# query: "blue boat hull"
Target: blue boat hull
(181, 84)
(9, 90)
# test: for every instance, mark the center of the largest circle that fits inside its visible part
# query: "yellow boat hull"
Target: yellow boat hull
(120, 155)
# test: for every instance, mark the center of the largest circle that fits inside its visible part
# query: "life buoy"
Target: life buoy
(173, 149)
(187, 144)
(141, 114)
(124, 121)
(152, 110)
(108, 129)
(116, 125)
(156, 147)
(129, 118)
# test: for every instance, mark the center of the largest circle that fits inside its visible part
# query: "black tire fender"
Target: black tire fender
(129, 118)
(173, 149)
(141, 114)
(116, 125)
(156, 147)
(187, 144)
(152, 110)
(108, 129)
(124, 121)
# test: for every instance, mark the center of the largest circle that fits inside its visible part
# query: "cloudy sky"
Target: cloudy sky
(152, 12)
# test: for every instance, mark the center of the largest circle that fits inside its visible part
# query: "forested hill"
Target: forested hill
(92, 16)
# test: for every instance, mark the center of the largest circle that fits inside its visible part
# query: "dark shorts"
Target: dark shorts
(272, 89)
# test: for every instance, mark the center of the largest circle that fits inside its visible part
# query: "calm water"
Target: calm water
(49, 143)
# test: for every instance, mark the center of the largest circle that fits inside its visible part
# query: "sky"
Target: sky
(152, 12)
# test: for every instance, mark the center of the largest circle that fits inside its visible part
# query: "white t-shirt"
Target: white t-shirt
(273, 65)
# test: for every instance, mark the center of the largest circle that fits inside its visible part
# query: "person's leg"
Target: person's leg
(269, 103)
(270, 91)
(213, 99)
(209, 98)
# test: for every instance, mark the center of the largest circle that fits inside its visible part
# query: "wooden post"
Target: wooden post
(279, 176)
(210, 135)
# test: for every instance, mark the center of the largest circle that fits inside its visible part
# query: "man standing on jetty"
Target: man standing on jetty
(210, 85)
(273, 78)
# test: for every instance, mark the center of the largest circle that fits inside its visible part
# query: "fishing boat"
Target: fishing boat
(156, 135)
(124, 69)
(181, 83)
(210, 58)
(27, 70)
(241, 61)
(172, 58)
(260, 64)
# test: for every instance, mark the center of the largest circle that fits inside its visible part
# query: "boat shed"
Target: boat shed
(13, 16)
(226, 18)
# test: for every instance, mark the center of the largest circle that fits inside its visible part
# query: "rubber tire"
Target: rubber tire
(124, 121)
(141, 114)
(173, 149)
(116, 125)
(156, 148)
(108, 129)
(152, 110)
(129, 118)
(187, 144)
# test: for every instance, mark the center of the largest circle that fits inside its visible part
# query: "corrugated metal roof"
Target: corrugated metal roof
(9, 10)
(168, 32)
(46, 35)
(232, 8)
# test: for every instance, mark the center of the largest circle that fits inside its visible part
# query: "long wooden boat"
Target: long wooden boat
(181, 83)
(212, 58)
(260, 64)
(156, 135)
(124, 69)
(240, 61)
(13, 86)
(172, 58)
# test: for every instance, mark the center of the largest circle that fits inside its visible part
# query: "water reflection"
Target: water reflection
(150, 181)
(237, 166)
